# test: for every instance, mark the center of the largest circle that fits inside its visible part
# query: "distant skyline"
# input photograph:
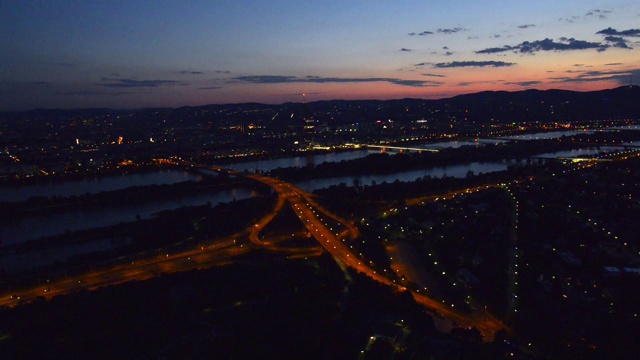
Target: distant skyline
(135, 54)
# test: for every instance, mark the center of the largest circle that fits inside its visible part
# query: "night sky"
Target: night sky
(133, 54)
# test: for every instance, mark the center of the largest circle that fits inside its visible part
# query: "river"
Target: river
(547, 135)
(457, 171)
(298, 161)
(95, 185)
(74, 220)
(579, 152)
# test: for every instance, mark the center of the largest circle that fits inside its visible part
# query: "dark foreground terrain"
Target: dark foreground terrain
(258, 308)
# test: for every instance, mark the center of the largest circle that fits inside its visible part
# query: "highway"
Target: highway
(315, 219)
(308, 212)
(219, 253)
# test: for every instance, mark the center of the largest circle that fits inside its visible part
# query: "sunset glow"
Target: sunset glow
(123, 54)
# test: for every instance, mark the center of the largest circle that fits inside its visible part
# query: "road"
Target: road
(203, 257)
(315, 219)
(309, 213)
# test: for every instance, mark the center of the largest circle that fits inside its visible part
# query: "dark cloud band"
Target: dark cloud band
(610, 31)
(455, 64)
(622, 77)
(132, 83)
(530, 47)
(278, 79)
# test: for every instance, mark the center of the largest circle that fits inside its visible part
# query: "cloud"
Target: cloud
(322, 80)
(421, 83)
(495, 50)
(524, 83)
(132, 83)
(473, 64)
(92, 93)
(210, 88)
(265, 79)
(531, 47)
(613, 64)
(447, 31)
(450, 31)
(414, 83)
(187, 72)
(278, 79)
(617, 41)
(222, 72)
(434, 75)
(622, 77)
(83, 93)
(405, 49)
(448, 53)
(405, 69)
(610, 31)
(567, 44)
(570, 20)
(526, 26)
(602, 14)
(421, 64)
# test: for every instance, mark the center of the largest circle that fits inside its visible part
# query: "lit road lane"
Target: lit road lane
(260, 225)
(284, 194)
(353, 231)
(144, 269)
(484, 322)
(336, 248)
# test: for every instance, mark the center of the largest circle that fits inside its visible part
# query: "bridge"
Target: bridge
(570, 159)
(403, 148)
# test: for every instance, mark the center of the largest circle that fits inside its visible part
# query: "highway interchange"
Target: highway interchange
(316, 220)
(309, 213)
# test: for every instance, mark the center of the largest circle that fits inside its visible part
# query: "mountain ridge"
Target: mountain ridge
(500, 106)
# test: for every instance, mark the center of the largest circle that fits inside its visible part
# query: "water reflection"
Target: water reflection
(460, 143)
(579, 152)
(456, 171)
(547, 135)
(41, 226)
(628, 127)
(298, 161)
(95, 185)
